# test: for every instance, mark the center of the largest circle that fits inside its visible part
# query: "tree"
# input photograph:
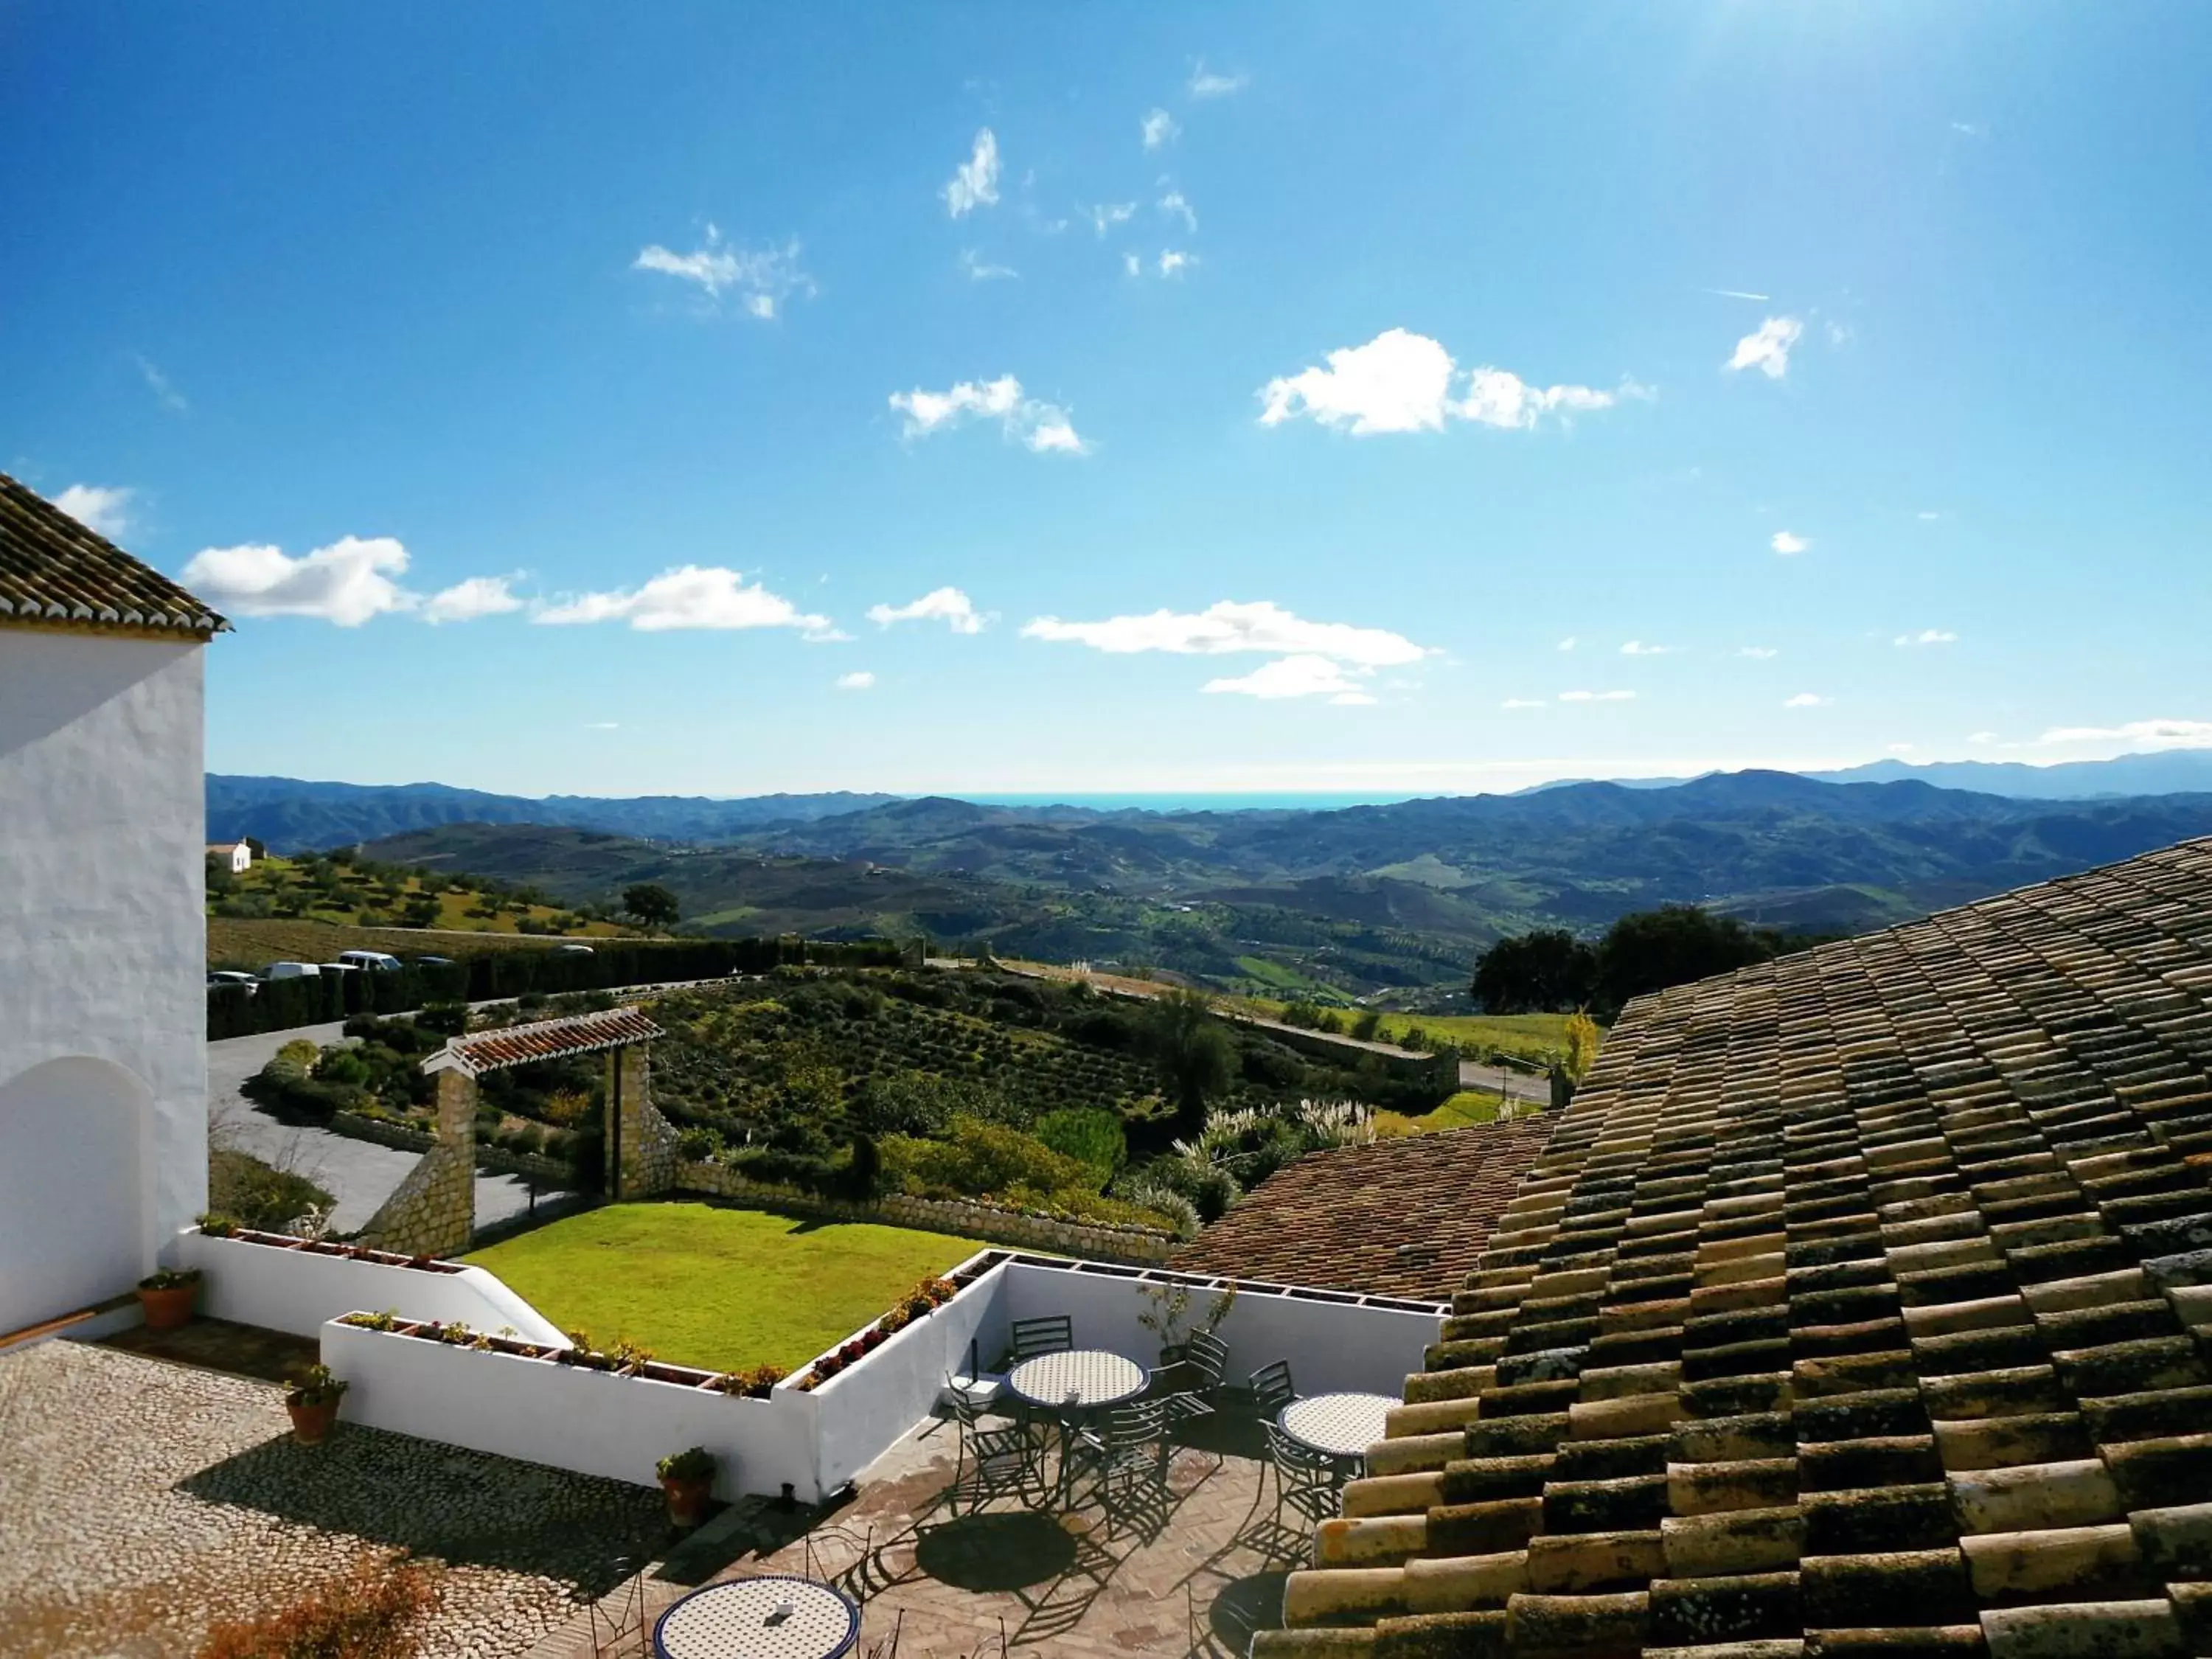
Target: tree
(1191, 1053)
(652, 904)
(1652, 949)
(1548, 971)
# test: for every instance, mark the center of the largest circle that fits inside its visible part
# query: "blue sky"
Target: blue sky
(1112, 398)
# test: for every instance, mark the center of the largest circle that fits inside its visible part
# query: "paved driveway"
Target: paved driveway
(360, 1174)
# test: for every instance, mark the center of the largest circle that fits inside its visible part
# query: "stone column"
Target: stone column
(434, 1212)
(644, 1140)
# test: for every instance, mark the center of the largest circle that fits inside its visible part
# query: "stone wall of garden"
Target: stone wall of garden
(545, 1171)
(1092, 1241)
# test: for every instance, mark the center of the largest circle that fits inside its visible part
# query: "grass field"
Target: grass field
(1467, 1106)
(356, 897)
(1527, 1035)
(720, 1288)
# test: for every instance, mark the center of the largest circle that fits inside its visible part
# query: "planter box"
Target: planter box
(285, 1284)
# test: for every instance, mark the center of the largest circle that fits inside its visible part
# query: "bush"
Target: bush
(371, 1614)
(1091, 1136)
(257, 1194)
(980, 1157)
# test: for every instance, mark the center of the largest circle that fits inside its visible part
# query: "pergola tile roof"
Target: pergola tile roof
(55, 573)
(1403, 1216)
(1861, 1305)
(546, 1039)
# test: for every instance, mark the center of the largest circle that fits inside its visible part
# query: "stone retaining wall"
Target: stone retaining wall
(1090, 1241)
(546, 1171)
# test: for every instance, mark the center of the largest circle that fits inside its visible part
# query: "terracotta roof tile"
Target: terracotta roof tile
(1402, 1217)
(1875, 1283)
(546, 1039)
(54, 573)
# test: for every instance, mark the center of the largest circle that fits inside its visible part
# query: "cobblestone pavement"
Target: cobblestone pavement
(1191, 1572)
(141, 1502)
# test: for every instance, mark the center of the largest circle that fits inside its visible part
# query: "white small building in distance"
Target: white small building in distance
(103, 935)
(235, 854)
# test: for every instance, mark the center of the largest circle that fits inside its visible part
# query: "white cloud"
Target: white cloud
(1303, 675)
(1970, 129)
(1981, 737)
(1597, 697)
(1840, 334)
(688, 596)
(1768, 350)
(1106, 215)
(1039, 427)
(1927, 518)
(976, 182)
(1174, 263)
(1899, 748)
(1174, 204)
(1806, 700)
(762, 278)
(104, 510)
(1928, 636)
(1204, 83)
(980, 270)
(603, 726)
(1229, 627)
(945, 604)
(1400, 382)
(1786, 542)
(347, 582)
(478, 596)
(1568, 643)
(1158, 127)
(1638, 648)
(159, 384)
(1522, 702)
(1131, 265)
(859, 680)
(1760, 652)
(2137, 734)
(1735, 294)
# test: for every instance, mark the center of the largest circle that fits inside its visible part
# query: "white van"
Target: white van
(291, 970)
(375, 961)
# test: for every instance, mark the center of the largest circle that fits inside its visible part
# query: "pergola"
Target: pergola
(433, 1211)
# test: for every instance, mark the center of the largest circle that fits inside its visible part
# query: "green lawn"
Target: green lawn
(718, 1288)
(1467, 1106)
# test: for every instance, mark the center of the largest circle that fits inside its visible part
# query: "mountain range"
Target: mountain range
(1356, 898)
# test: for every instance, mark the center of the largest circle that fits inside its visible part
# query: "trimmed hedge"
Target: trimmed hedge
(280, 1005)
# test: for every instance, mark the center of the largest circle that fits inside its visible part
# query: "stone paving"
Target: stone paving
(1194, 1572)
(141, 1501)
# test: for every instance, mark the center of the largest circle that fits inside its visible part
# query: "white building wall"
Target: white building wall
(103, 929)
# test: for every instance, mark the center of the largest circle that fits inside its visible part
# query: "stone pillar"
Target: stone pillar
(637, 1134)
(434, 1212)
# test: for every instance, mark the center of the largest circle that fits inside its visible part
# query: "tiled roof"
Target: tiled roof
(54, 573)
(546, 1039)
(1860, 1306)
(1404, 1216)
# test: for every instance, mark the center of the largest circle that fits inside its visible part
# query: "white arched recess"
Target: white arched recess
(74, 1135)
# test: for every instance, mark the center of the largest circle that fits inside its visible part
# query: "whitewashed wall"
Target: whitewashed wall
(592, 1422)
(294, 1291)
(102, 954)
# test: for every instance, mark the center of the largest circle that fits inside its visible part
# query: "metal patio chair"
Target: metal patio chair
(1190, 1377)
(1306, 1483)
(1003, 1451)
(1053, 1333)
(1272, 1389)
(1126, 1457)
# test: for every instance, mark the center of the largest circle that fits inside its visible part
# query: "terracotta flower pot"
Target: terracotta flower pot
(687, 1498)
(169, 1310)
(311, 1424)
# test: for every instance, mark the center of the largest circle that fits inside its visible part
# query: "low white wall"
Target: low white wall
(1332, 1346)
(863, 1412)
(294, 1291)
(592, 1422)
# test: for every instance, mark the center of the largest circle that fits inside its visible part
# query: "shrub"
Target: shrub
(315, 1386)
(695, 1464)
(370, 1613)
(1089, 1136)
(980, 1157)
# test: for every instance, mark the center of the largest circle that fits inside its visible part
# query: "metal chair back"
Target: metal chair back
(1272, 1387)
(1054, 1333)
(1137, 1425)
(1207, 1356)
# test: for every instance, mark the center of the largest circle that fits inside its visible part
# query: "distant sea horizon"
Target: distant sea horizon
(1308, 800)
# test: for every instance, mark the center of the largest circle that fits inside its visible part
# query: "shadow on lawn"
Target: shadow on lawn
(462, 1507)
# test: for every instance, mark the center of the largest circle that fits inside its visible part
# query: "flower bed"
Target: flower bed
(753, 1382)
(426, 1264)
(920, 1303)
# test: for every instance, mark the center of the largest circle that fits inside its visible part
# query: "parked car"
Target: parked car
(434, 962)
(573, 950)
(226, 976)
(290, 970)
(338, 966)
(375, 961)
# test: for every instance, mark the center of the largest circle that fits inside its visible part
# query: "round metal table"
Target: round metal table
(1070, 1385)
(1339, 1425)
(1078, 1379)
(778, 1617)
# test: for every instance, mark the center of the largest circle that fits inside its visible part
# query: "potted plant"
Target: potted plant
(687, 1478)
(312, 1399)
(166, 1296)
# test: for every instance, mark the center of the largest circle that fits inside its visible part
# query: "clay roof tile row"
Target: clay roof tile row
(55, 573)
(546, 1039)
(1861, 1305)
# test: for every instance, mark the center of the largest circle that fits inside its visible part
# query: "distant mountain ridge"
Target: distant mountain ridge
(293, 816)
